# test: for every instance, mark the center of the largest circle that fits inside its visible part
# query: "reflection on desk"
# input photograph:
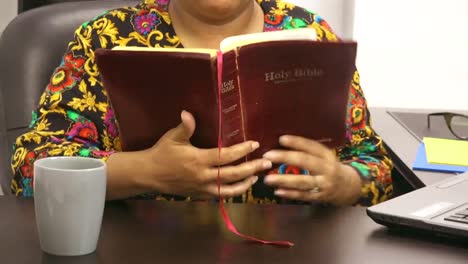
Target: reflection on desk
(179, 232)
(416, 124)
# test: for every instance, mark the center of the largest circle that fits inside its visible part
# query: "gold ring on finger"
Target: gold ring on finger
(316, 189)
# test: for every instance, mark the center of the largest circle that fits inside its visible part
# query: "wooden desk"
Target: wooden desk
(179, 232)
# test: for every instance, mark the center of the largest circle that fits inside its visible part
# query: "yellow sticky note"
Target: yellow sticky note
(446, 151)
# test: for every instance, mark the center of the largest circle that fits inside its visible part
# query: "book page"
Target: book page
(230, 43)
(212, 52)
(293, 34)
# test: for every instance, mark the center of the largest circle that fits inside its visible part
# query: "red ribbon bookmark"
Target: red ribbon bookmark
(226, 218)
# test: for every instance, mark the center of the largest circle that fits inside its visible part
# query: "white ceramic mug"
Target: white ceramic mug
(69, 197)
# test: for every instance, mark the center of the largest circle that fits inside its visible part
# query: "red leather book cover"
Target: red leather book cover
(268, 89)
(295, 88)
(148, 91)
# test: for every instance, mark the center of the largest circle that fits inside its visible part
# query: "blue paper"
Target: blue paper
(421, 163)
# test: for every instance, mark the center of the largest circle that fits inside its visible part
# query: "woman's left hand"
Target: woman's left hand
(330, 181)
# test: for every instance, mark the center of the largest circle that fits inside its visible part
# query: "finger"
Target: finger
(288, 181)
(228, 154)
(306, 196)
(184, 131)
(239, 172)
(312, 147)
(231, 190)
(313, 164)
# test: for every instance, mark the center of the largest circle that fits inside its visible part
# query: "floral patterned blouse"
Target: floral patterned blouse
(74, 118)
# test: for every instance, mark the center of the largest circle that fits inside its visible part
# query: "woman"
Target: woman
(74, 119)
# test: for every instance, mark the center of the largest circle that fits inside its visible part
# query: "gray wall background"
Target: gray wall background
(8, 10)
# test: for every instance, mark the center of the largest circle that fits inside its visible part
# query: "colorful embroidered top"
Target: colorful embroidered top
(74, 118)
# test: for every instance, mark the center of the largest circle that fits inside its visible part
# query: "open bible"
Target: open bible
(273, 83)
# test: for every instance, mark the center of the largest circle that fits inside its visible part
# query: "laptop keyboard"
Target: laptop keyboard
(459, 217)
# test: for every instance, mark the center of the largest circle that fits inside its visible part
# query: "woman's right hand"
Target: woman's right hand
(175, 166)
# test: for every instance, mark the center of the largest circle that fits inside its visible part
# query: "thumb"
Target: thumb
(184, 131)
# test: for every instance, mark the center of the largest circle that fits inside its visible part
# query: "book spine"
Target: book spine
(233, 128)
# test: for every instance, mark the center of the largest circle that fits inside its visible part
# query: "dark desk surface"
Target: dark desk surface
(178, 232)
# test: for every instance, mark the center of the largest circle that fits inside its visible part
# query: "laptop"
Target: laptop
(441, 208)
